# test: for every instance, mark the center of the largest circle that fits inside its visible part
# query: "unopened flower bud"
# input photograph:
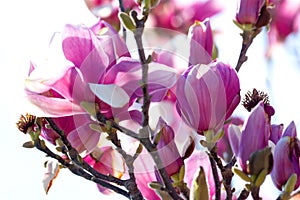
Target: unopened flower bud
(249, 11)
(167, 148)
(286, 159)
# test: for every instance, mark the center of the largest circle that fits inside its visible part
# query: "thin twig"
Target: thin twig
(163, 173)
(248, 37)
(243, 195)
(77, 170)
(226, 172)
(75, 157)
(140, 25)
(103, 120)
(255, 193)
(216, 177)
(122, 9)
(130, 184)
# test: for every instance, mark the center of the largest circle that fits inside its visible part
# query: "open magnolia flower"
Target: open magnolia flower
(102, 72)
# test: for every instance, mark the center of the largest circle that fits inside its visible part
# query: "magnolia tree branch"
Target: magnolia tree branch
(76, 158)
(121, 5)
(226, 172)
(248, 37)
(244, 194)
(163, 173)
(138, 33)
(122, 9)
(130, 184)
(216, 177)
(151, 148)
(75, 169)
(103, 120)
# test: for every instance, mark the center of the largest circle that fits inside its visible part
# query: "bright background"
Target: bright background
(26, 28)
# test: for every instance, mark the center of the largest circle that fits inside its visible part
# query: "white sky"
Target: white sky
(26, 27)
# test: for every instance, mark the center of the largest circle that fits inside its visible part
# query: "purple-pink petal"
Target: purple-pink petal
(255, 134)
(83, 138)
(201, 43)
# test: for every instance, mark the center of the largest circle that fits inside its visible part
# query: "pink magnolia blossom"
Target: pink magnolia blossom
(207, 95)
(106, 160)
(167, 148)
(102, 72)
(285, 21)
(254, 136)
(286, 158)
(224, 145)
(97, 69)
(249, 11)
(201, 37)
(178, 15)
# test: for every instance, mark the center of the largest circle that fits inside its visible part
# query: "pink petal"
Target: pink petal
(84, 138)
(52, 107)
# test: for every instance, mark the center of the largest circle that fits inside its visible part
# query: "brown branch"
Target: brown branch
(40, 145)
(103, 120)
(226, 172)
(248, 37)
(76, 158)
(243, 195)
(140, 25)
(162, 171)
(130, 184)
(216, 176)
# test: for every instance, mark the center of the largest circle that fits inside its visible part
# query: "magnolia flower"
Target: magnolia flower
(97, 69)
(224, 145)
(101, 71)
(254, 136)
(286, 158)
(167, 148)
(249, 11)
(207, 95)
(201, 37)
(178, 15)
(285, 21)
(106, 160)
(192, 164)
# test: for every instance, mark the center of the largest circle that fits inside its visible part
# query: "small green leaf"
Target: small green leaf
(155, 185)
(89, 107)
(159, 189)
(157, 137)
(29, 144)
(96, 127)
(290, 184)
(181, 173)
(260, 160)
(218, 136)
(203, 143)
(261, 178)
(199, 189)
(139, 149)
(242, 175)
(127, 21)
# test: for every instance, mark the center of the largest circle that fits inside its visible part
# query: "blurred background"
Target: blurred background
(26, 29)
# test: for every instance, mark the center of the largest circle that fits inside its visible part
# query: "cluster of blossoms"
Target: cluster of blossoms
(165, 126)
